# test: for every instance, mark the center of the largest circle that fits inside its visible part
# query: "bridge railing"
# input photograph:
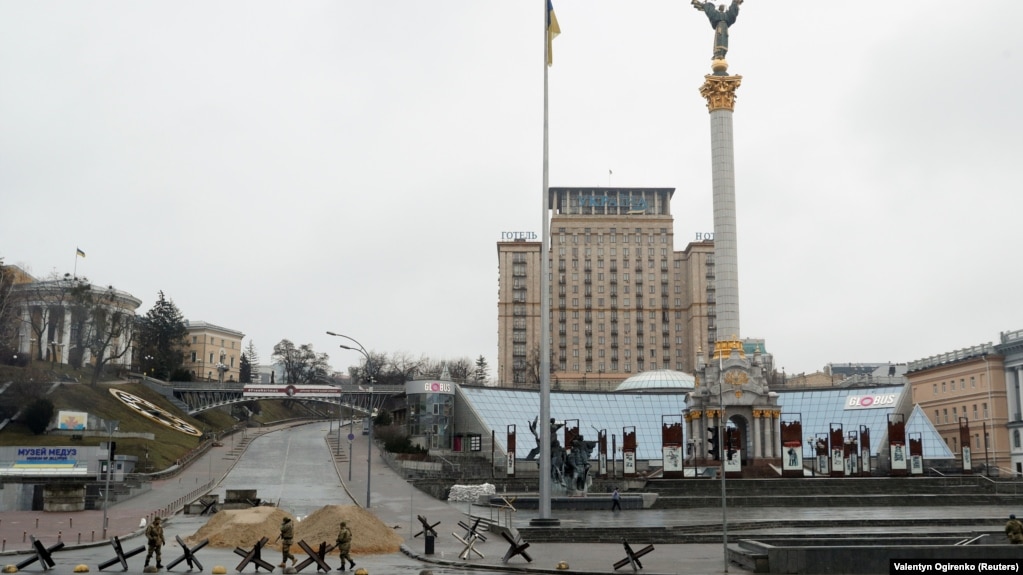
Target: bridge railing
(208, 385)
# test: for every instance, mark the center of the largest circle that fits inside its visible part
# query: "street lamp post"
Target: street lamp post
(111, 427)
(341, 421)
(369, 446)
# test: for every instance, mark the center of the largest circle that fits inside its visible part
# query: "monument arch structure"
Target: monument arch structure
(732, 389)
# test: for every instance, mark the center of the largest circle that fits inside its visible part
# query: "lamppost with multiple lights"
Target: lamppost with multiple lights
(369, 447)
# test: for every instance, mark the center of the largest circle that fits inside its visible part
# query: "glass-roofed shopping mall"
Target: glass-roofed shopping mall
(854, 407)
(498, 408)
(658, 397)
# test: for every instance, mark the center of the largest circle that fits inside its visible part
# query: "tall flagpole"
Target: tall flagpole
(723, 453)
(545, 307)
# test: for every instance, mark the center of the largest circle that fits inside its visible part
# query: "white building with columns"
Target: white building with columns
(56, 320)
(1010, 347)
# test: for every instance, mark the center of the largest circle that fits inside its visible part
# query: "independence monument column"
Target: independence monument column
(719, 90)
(732, 420)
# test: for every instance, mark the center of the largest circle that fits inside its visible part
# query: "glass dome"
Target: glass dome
(658, 380)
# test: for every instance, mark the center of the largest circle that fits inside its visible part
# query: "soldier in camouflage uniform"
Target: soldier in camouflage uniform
(287, 537)
(154, 536)
(1014, 530)
(344, 546)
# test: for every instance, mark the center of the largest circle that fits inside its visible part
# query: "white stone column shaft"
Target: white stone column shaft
(726, 264)
(1017, 392)
(64, 347)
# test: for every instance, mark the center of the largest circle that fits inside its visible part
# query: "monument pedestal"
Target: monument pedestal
(732, 401)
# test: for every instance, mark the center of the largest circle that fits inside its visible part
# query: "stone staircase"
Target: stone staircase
(819, 493)
(340, 452)
(737, 529)
(837, 492)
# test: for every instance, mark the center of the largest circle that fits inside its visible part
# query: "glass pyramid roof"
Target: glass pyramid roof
(934, 446)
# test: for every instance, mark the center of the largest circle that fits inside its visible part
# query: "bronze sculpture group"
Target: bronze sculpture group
(569, 468)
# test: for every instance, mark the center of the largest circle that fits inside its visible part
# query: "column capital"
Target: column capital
(720, 91)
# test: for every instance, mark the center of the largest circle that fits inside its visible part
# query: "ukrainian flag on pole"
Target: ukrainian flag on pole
(552, 31)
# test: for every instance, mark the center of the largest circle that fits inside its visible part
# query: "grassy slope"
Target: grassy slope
(168, 444)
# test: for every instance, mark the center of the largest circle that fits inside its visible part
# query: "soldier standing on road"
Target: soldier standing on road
(344, 546)
(154, 536)
(287, 536)
(1014, 530)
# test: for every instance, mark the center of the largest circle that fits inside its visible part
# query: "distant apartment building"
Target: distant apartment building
(213, 352)
(966, 387)
(623, 300)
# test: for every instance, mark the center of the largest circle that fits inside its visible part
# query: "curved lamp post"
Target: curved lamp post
(369, 447)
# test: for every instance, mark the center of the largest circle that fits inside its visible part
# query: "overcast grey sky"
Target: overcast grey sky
(287, 168)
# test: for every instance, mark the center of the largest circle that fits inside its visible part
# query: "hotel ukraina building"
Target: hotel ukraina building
(622, 299)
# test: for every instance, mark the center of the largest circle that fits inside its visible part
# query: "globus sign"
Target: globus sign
(873, 401)
(420, 387)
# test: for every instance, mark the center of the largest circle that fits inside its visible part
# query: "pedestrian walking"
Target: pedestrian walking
(287, 536)
(154, 538)
(344, 546)
(616, 500)
(1014, 530)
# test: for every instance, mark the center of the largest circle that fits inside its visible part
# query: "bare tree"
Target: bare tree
(100, 324)
(374, 370)
(405, 367)
(301, 364)
(402, 367)
(431, 369)
(460, 369)
(46, 302)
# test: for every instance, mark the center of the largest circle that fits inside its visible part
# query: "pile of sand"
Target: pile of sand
(244, 527)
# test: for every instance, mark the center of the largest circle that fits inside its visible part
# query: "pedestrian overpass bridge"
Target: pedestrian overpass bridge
(196, 397)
